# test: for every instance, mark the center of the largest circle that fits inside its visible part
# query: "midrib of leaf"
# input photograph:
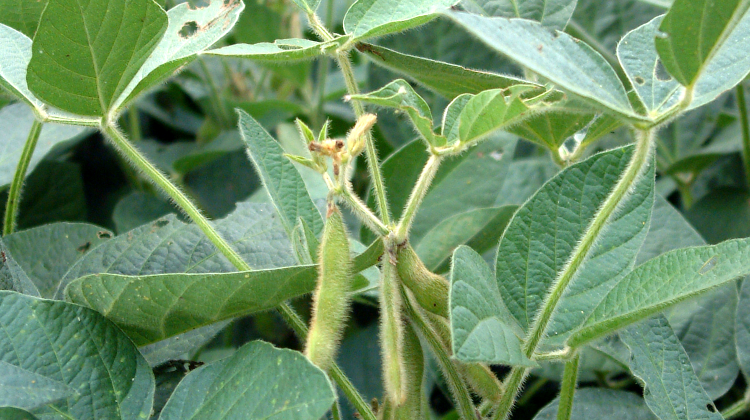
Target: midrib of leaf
(93, 56)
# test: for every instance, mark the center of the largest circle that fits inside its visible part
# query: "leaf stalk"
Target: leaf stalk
(16, 186)
(568, 388)
(417, 195)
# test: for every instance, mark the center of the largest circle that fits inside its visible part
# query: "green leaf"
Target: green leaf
(308, 6)
(12, 276)
(669, 230)
(15, 48)
(525, 177)
(168, 245)
(449, 80)
(722, 214)
(11, 413)
(15, 123)
(601, 403)
(702, 45)
(189, 32)
(176, 346)
(80, 349)
(45, 253)
(664, 281)
(553, 14)
(266, 382)
(21, 15)
(279, 51)
(482, 328)
(637, 54)
(480, 229)
(400, 95)
(26, 389)
(152, 308)
(371, 18)
(570, 64)
(85, 53)
(542, 235)
(742, 329)
(672, 391)
(137, 209)
(282, 181)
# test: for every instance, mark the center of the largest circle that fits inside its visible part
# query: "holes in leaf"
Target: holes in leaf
(661, 72)
(161, 223)
(188, 29)
(639, 80)
(85, 247)
(710, 407)
(103, 234)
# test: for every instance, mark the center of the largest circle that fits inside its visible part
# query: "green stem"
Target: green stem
(360, 209)
(417, 195)
(16, 186)
(287, 312)
(742, 105)
(533, 389)
(637, 163)
(461, 396)
(738, 408)
(568, 388)
(135, 124)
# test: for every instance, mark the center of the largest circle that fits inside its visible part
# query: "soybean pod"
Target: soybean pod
(429, 289)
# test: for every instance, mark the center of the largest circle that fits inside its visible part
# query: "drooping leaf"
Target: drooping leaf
(26, 389)
(15, 48)
(672, 392)
(85, 53)
(664, 281)
(701, 43)
(22, 16)
(156, 307)
(599, 403)
(553, 14)
(637, 54)
(482, 328)
(189, 32)
(279, 51)
(15, 124)
(541, 238)
(266, 382)
(77, 347)
(449, 80)
(371, 18)
(742, 329)
(570, 64)
(283, 183)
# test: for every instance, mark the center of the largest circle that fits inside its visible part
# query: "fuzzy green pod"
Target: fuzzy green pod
(331, 299)
(430, 290)
(392, 335)
(415, 403)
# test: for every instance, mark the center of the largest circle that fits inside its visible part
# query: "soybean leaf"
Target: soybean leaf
(189, 32)
(45, 253)
(85, 53)
(22, 16)
(525, 177)
(15, 48)
(608, 22)
(482, 328)
(15, 124)
(542, 236)
(553, 14)
(137, 209)
(308, 6)
(26, 389)
(702, 44)
(156, 307)
(479, 229)
(178, 345)
(553, 128)
(12, 276)
(280, 51)
(266, 382)
(664, 281)
(79, 348)
(599, 403)
(371, 18)
(168, 245)
(283, 183)
(742, 329)
(637, 54)
(571, 65)
(672, 392)
(12, 413)
(669, 230)
(449, 80)
(722, 214)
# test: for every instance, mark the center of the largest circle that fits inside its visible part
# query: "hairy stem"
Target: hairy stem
(417, 195)
(742, 105)
(16, 186)
(568, 388)
(360, 209)
(287, 312)
(740, 407)
(637, 163)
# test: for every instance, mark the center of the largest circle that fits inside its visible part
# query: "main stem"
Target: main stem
(16, 186)
(742, 105)
(635, 167)
(417, 195)
(568, 388)
(287, 312)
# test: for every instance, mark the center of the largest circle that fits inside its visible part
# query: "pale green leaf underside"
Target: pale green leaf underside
(152, 308)
(371, 18)
(15, 48)
(637, 54)
(673, 392)
(258, 381)
(26, 389)
(482, 328)
(80, 349)
(283, 183)
(571, 65)
(85, 52)
(599, 404)
(189, 32)
(279, 51)
(553, 14)
(663, 281)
